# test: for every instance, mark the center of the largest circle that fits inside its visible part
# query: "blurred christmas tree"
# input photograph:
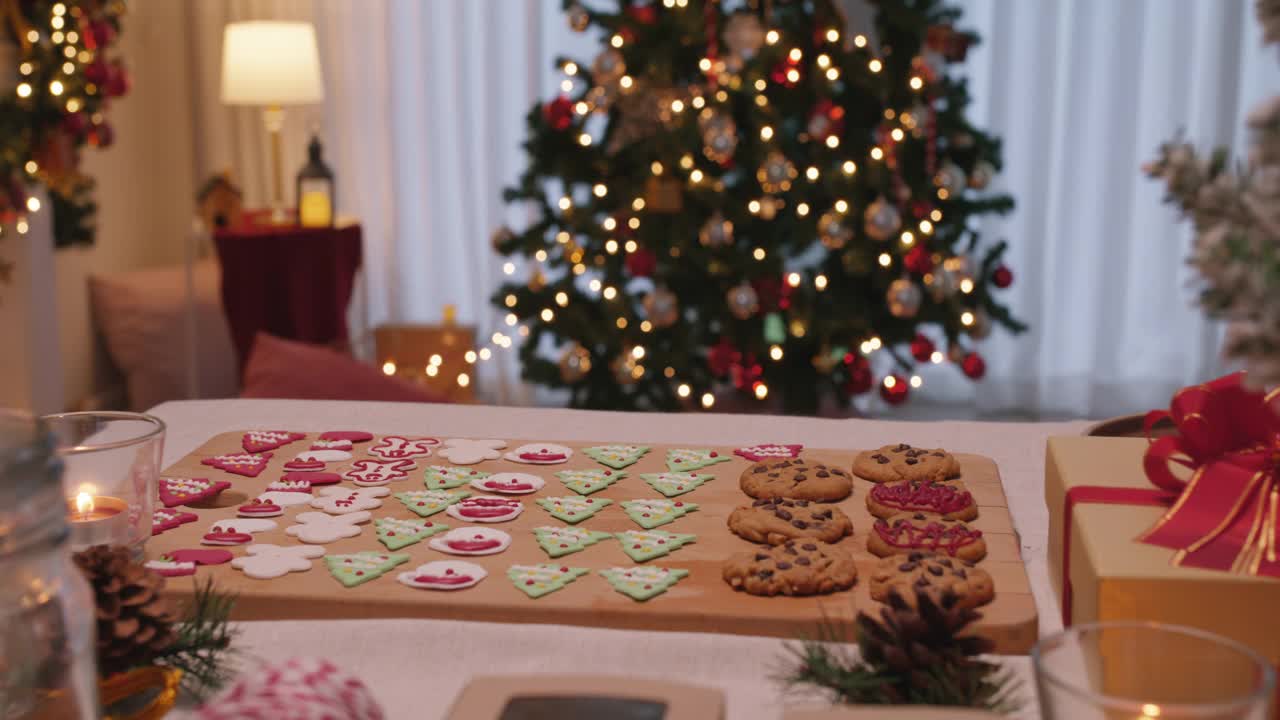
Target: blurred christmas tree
(738, 195)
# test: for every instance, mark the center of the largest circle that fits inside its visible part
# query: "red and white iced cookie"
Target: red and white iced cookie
(201, 556)
(332, 445)
(324, 456)
(768, 451)
(355, 436)
(312, 477)
(237, 531)
(509, 483)
(259, 508)
(165, 519)
(340, 500)
(184, 491)
(396, 447)
(286, 498)
(471, 541)
(246, 464)
(486, 509)
(299, 486)
(166, 566)
(298, 464)
(443, 575)
(256, 441)
(371, 473)
(540, 454)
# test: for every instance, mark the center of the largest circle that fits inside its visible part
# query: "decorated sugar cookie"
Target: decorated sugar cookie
(354, 436)
(166, 566)
(486, 509)
(324, 456)
(649, 514)
(358, 568)
(585, 482)
(469, 452)
(285, 498)
(768, 451)
(343, 444)
(471, 541)
(538, 580)
(303, 465)
(264, 561)
(311, 477)
(566, 540)
(672, 484)
(572, 509)
(201, 556)
(319, 528)
(616, 456)
(642, 545)
(443, 575)
(298, 486)
(256, 441)
(396, 533)
(443, 477)
(395, 447)
(184, 491)
(372, 473)
(237, 531)
(340, 500)
(643, 582)
(540, 454)
(261, 508)
(429, 502)
(684, 459)
(509, 483)
(246, 464)
(165, 519)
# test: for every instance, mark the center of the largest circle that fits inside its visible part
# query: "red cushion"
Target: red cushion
(287, 369)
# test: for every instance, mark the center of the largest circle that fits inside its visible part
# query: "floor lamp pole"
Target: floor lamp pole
(273, 117)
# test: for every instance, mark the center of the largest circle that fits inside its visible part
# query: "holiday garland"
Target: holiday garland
(66, 77)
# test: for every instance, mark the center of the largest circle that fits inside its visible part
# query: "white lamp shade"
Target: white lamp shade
(269, 62)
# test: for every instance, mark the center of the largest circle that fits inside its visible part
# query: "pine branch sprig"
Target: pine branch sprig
(205, 650)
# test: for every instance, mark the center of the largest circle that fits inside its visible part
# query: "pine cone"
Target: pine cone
(135, 621)
(920, 643)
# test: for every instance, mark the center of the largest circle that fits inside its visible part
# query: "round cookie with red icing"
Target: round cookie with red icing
(509, 483)
(471, 541)
(443, 575)
(892, 463)
(540, 454)
(909, 531)
(951, 500)
(935, 575)
(486, 509)
(796, 479)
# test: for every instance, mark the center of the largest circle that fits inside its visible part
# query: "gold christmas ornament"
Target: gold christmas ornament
(961, 268)
(501, 236)
(716, 231)
(537, 281)
(719, 135)
(881, 220)
(776, 173)
(833, 230)
(743, 301)
(608, 67)
(575, 363)
(769, 207)
(743, 36)
(578, 18)
(942, 283)
(626, 368)
(981, 176)
(904, 298)
(661, 307)
(950, 177)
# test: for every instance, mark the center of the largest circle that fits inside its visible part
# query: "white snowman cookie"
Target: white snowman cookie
(509, 483)
(471, 541)
(540, 454)
(443, 575)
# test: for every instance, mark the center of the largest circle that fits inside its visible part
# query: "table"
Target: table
(390, 655)
(290, 281)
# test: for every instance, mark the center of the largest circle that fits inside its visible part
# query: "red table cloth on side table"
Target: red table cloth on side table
(290, 281)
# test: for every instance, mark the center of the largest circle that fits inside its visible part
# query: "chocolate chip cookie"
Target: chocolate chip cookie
(909, 531)
(796, 479)
(892, 463)
(797, 567)
(933, 574)
(951, 500)
(776, 520)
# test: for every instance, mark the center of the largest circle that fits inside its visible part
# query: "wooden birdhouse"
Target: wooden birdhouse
(219, 202)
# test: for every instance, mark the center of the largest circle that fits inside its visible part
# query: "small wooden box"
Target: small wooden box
(409, 351)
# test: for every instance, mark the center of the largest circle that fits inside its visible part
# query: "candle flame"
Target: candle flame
(84, 503)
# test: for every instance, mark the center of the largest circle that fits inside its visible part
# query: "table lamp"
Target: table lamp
(271, 63)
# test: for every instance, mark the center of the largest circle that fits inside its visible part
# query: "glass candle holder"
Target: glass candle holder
(112, 465)
(1137, 670)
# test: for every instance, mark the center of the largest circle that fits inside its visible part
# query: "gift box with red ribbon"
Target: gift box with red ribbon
(1180, 529)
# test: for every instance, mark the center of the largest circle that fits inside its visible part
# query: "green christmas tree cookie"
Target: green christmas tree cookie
(642, 583)
(361, 567)
(445, 477)
(616, 456)
(649, 514)
(430, 502)
(684, 459)
(642, 545)
(585, 482)
(572, 509)
(538, 580)
(672, 484)
(396, 533)
(567, 540)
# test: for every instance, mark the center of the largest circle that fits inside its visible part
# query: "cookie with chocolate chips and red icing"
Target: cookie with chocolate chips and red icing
(893, 463)
(796, 479)
(909, 531)
(933, 574)
(797, 567)
(775, 521)
(951, 500)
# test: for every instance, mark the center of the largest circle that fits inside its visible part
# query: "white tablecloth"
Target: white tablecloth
(415, 667)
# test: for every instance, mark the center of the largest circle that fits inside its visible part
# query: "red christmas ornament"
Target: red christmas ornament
(559, 113)
(74, 124)
(922, 348)
(783, 73)
(643, 14)
(918, 260)
(102, 136)
(973, 366)
(642, 262)
(1002, 277)
(103, 33)
(768, 292)
(860, 379)
(118, 82)
(722, 356)
(746, 374)
(920, 208)
(825, 120)
(895, 393)
(97, 72)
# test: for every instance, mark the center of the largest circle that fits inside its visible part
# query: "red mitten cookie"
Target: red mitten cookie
(246, 464)
(183, 491)
(256, 441)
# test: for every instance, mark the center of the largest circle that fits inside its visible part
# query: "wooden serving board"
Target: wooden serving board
(701, 602)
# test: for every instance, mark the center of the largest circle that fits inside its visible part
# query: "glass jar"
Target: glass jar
(47, 666)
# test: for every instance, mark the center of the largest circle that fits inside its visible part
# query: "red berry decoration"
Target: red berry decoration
(643, 14)
(642, 262)
(922, 348)
(118, 81)
(918, 260)
(895, 393)
(974, 366)
(97, 72)
(722, 356)
(74, 124)
(558, 113)
(860, 379)
(1002, 277)
(103, 33)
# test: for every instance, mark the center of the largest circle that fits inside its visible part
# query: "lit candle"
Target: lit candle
(97, 520)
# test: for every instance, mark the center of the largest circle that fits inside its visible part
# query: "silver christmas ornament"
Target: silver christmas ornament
(903, 298)
(942, 283)
(743, 36)
(981, 176)
(776, 173)
(719, 135)
(716, 231)
(881, 220)
(578, 18)
(950, 177)
(575, 363)
(743, 301)
(833, 230)
(661, 307)
(608, 68)
(961, 268)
